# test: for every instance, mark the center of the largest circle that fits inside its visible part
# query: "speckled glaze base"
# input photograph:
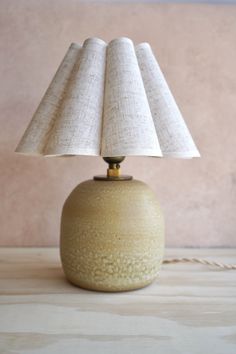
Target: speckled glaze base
(112, 235)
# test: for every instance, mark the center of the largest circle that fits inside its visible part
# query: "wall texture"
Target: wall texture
(196, 48)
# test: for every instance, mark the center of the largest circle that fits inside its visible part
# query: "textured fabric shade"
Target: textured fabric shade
(109, 100)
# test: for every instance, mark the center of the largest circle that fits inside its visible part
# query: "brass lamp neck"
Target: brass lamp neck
(114, 165)
(113, 171)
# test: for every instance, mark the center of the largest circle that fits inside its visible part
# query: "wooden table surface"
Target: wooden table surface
(189, 309)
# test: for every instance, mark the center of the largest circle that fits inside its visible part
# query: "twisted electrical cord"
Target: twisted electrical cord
(201, 261)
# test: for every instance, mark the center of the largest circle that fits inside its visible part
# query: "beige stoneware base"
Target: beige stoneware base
(112, 235)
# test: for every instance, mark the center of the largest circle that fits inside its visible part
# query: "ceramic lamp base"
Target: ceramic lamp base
(112, 235)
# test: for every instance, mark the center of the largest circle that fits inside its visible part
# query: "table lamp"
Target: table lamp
(110, 100)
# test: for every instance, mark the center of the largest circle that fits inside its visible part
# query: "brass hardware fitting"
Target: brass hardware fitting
(114, 165)
(113, 171)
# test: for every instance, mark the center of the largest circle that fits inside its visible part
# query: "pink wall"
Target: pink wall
(196, 48)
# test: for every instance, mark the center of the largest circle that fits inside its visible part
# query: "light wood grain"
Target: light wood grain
(189, 309)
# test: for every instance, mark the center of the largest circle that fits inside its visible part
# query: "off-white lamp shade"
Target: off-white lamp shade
(108, 100)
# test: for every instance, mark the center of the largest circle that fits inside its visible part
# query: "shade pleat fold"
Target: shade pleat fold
(38, 132)
(128, 127)
(173, 134)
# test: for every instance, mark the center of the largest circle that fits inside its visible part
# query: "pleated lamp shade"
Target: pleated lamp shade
(108, 100)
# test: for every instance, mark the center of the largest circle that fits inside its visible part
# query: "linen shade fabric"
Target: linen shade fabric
(108, 99)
